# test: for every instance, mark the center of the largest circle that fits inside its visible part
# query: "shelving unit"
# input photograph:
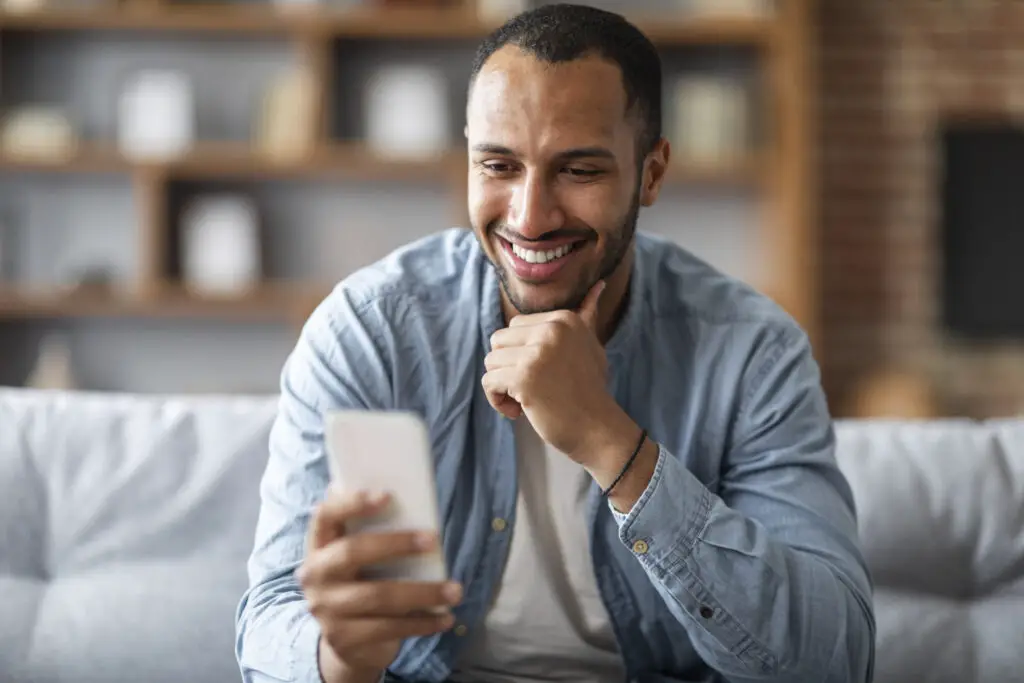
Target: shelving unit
(778, 173)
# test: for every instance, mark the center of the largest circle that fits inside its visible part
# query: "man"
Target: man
(633, 453)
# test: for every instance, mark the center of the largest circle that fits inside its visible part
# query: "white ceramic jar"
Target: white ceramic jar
(220, 245)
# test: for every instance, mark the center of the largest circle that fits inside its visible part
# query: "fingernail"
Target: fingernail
(425, 540)
(376, 497)
(452, 593)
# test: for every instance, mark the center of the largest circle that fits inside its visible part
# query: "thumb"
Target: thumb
(588, 309)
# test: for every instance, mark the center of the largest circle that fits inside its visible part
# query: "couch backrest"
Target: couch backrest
(125, 525)
(941, 517)
(126, 522)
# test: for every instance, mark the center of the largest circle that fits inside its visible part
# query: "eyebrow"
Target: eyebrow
(566, 155)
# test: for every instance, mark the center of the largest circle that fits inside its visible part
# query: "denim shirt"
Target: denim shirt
(740, 561)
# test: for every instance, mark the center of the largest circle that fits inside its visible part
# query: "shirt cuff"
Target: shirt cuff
(666, 521)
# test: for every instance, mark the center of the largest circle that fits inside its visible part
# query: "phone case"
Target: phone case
(389, 451)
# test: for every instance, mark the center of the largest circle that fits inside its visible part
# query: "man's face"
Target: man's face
(554, 190)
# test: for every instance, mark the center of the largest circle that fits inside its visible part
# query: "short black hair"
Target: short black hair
(564, 32)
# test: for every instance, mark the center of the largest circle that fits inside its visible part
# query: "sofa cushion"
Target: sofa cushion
(941, 514)
(125, 540)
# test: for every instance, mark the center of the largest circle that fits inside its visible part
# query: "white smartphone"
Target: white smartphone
(389, 451)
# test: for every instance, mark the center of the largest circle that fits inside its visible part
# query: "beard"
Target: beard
(617, 246)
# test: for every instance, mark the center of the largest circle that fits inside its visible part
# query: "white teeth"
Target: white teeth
(531, 256)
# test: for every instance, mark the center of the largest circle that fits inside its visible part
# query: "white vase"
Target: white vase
(156, 117)
(407, 112)
(220, 245)
(711, 122)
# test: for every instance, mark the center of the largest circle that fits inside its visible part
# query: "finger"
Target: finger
(361, 632)
(343, 559)
(588, 309)
(387, 598)
(338, 507)
(497, 387)
(512, 336)
(539, 318)
(506, 357)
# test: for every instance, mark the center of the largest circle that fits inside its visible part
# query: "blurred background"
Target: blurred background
(181, 183)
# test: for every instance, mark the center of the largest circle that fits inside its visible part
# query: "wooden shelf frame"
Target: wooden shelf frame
(445, 23)
(287, 302)
(782, 173)
(212, 160)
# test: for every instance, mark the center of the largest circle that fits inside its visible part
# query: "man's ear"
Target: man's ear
(654, 169)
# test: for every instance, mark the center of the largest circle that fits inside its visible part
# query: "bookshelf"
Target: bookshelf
(777, 173)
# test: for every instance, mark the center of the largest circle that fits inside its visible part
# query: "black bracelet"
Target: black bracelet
(629, 463)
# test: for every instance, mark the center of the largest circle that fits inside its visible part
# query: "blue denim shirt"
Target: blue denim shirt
(749, 569)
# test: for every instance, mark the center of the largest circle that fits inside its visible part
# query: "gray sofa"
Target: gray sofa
(125, 523)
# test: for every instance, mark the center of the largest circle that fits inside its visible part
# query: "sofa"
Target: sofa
(126, 521)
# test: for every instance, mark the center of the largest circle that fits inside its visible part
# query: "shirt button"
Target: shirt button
(461, 630)
(706, 612)
(640, 547)
(498, 524)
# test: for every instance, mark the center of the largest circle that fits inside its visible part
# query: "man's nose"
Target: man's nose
(533, 208)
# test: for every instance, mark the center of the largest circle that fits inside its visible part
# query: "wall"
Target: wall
(890, 70)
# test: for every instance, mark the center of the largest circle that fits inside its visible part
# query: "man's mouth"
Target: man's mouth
(540, 263)
(542, 255)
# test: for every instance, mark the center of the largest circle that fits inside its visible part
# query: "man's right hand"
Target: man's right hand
(364, 622)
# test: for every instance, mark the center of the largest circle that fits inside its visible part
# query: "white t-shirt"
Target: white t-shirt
(548, 622)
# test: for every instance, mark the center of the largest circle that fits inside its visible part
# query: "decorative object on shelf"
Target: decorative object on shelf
(297, 5)
(499, 11)
(711, 125)
(40, 133)
(730, 8)
(91, 279)
(220, 245)
(407, 112)
(156, 115)
(287, 121)
(53, 368)
(19, 6)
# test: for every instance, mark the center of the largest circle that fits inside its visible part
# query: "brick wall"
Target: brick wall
(889, 70)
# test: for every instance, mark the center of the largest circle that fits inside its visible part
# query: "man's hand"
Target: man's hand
(364, 622)
(552, 367)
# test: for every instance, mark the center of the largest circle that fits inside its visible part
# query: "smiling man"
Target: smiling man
(634, 456)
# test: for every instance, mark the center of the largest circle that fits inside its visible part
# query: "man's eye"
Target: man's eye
(499, 167)
(582, 172)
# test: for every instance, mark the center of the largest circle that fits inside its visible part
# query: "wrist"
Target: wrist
(611, 441)
(616, 442)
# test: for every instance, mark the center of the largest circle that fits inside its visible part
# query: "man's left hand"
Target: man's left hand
(552, 367)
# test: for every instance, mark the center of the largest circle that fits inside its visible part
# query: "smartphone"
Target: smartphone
(389, 451)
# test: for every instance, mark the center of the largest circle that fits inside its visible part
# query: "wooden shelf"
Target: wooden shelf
(393, 23)
(350, 161)
(226, 160)
(271, 302)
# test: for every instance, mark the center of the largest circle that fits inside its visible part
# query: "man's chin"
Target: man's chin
(529, 299)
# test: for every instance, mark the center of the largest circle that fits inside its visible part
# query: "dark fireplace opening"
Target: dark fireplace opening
(983, 231)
